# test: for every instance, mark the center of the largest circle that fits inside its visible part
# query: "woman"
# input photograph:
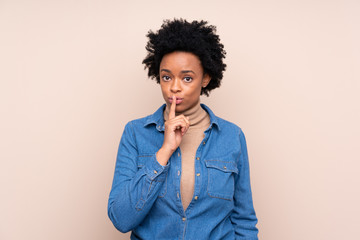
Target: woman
(182, 172)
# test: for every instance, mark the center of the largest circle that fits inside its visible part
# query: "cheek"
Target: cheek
(194, 91)
(164, 91)
(163, 88)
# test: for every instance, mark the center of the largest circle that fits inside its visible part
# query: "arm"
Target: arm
(243, 216)
(134, 190)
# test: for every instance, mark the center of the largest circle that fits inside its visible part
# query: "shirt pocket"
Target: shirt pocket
(221, 177)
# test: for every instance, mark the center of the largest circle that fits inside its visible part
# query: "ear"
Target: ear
(205, 81)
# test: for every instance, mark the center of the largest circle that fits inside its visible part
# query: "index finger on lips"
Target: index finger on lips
(172, 108)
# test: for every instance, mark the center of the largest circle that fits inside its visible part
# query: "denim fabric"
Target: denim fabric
(145, 196)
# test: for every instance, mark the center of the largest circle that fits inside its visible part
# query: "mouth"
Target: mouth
(178, 100)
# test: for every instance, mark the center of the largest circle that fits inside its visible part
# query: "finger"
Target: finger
(172, 108)
(178, 124)
(187, 124)
(186, 119)
(184, 126)
(184, 130)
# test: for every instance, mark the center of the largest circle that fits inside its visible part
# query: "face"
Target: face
(182, 75)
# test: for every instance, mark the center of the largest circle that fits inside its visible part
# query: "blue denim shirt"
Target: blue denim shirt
(145, 196)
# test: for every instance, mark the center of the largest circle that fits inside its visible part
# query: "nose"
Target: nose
(175, 85)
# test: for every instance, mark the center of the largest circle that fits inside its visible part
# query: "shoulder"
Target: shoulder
(231, 131)
(224, 126)
(155, 119)
(228, 126)
(138, 121)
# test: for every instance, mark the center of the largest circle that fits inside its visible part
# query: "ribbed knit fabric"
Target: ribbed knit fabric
(199, 122)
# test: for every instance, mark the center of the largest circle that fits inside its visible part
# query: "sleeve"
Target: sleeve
(243, 216)
(134, 189)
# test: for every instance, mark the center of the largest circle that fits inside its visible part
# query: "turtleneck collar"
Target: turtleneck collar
(197, 115)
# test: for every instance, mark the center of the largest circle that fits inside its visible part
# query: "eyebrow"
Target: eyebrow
(184, 71)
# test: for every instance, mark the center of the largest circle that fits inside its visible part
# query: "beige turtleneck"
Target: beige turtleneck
(199, 121)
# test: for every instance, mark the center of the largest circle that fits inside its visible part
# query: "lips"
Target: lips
(178, 100)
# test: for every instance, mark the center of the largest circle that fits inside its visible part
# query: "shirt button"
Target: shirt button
(178, 154)
(198, 174)
(155, 171)
(196, 197)
(224, 167)
(184, 219)
(204, 142)
(178, 173)
(177, 194)
(197, 158)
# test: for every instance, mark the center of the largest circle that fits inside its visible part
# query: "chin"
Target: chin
(180, 108)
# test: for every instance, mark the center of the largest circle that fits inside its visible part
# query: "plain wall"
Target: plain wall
(71, 77)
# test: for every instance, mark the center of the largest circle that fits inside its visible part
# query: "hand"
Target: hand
(175, 129)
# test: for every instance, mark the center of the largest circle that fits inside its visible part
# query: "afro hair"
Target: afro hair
(196, 37)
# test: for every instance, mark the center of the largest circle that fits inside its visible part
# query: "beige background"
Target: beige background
(71, 77)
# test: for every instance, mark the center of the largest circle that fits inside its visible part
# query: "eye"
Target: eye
(166, 78)
(188, 79)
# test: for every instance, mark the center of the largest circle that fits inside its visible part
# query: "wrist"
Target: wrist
(163, 155)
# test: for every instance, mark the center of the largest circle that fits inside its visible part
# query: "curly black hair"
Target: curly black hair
(196, 37)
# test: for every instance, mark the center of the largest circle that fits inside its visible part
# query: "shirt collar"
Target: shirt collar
(213, 118)
(157, 118)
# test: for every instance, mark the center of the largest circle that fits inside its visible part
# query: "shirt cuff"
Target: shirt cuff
(156, 170)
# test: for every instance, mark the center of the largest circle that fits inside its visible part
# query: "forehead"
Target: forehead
(181, 61)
